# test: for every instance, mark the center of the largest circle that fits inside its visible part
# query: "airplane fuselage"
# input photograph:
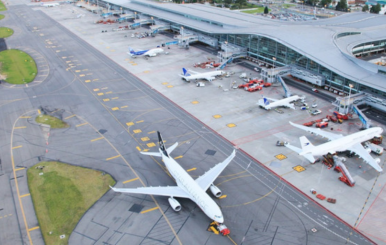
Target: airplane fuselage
(283, 102)
(211, 74)
(196, 194)
(343, 143)
(150, 52)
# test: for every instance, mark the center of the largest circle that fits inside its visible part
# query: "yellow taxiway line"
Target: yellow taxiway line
(149, 210)
(130, 180)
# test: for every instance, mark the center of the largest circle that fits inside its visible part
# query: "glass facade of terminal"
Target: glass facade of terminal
(273, 52)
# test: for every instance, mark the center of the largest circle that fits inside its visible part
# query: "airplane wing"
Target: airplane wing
(170, 191)
(317, 131)
(365, 155)
(205, 180)
(209, 78)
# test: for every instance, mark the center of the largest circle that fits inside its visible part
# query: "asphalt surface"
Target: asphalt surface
(111, 113)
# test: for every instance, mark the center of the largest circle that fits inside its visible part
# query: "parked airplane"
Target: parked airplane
(149, 53)
(210, 76)
(50, 4)
(264, 102)
(186, 187)
(338, 142)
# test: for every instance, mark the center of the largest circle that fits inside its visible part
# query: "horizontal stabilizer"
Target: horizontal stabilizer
(156, 154)
(310, 157)
(171, 148)
(294, 148)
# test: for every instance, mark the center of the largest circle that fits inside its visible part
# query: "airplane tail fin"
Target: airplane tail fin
(266, 101)
(305, 143)
(163, 150)
(185, 72)
(131, 50)
(162, 145)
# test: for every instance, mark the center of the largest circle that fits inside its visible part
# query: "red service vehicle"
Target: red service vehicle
(246, 85)
(322, 125)
(309, 124)
(254, 88)
(332, 118)
(340, 116)
(315, 90)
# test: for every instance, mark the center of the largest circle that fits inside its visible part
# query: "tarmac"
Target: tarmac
(97, 88)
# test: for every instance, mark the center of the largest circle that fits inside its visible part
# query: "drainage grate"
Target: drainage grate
(102, 131)
(136, 208)
(210, 152)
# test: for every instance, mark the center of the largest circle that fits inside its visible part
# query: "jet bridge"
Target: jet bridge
(285, 87)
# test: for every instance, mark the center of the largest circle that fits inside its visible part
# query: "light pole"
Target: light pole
(152, 22)
(349, 93)
(135, 15)
(226, 50)
(273, 67)
(121, 10)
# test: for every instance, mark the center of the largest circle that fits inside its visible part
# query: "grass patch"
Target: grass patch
(255, 11)
(288, 5)
(52, 121)
(2, 6)
(1, 16)
(5, 31)
(62, 195)
(17, 67)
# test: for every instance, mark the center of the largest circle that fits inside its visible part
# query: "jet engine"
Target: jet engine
(215, 191)
(176, 206)
(377, 160)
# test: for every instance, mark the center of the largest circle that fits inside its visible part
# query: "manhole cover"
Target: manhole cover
(102, 131)
(210, 152)
(136, 208)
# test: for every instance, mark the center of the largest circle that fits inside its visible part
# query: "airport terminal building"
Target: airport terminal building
(332, 48)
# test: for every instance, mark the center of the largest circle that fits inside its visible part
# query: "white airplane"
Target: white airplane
(149, 53)
(210, 76)
(264, 102)
(186, 187)
(338, 142)
(50, 5)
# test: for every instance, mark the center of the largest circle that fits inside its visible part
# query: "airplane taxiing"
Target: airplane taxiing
(264, 102)
(209, 76)
(149, 53)
(186, 187)
(337, 142)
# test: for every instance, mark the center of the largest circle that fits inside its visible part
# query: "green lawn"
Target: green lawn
(4, 31)
(62, 195)
(1, 16)
(17, 66)
(255, 11)
(2, 6)
(288, 5)
(52, 121)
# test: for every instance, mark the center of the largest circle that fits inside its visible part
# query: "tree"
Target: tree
(241, 3)
(266, 10)
(375, 9)
(342, 5)
(227, 1)
(365, 8)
